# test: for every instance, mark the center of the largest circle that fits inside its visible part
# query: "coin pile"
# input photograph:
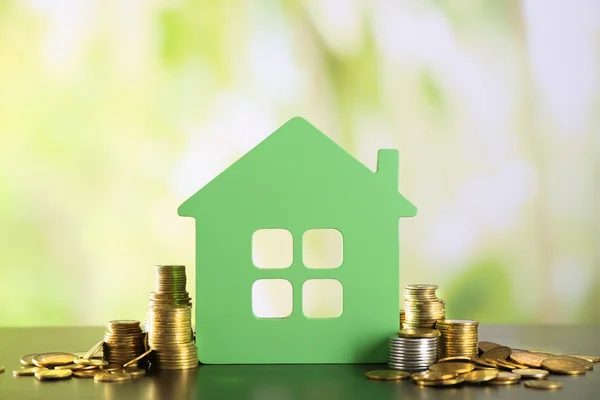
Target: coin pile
(402, 318)
(458, 338)
(169, 321)
(123, 342)
(422, 307)
(413, 350)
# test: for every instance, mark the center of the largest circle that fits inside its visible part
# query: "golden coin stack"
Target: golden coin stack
(402, 318)
(422, 307)
(123, 342)
(459, 338)
(169, 321)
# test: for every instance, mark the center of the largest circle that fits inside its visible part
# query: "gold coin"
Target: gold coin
(496, 353)
(134, 372)
(592, 359)
(87, 373)
(497, 382)
(530, 373)
(452, 366)
(485, 346)
(117, 376)
(507, 376)
(387, 375)
(433, 376)
(53, 359)
(480, 376)
(454, 358)
(543, 384)
(562, 365)
(51, 374)
(26, 360)
(95, 348)
(91, 361)
(418, 333)
(444, 382)
(138, 358)
(528, 358)
(72, 367)
(587, 364)
(27, 371)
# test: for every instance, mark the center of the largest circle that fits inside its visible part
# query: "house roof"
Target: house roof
(298, 144)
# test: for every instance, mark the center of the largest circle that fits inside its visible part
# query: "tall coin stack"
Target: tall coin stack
(459, 338)
(123, 342)
(402, 318)
(413, 349)
(169, 321)
(422, 307)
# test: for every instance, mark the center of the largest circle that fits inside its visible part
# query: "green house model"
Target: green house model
(298, 180)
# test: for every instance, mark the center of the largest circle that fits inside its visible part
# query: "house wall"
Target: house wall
(227, 330)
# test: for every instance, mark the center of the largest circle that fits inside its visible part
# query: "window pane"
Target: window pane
(322, 298)
(322, 248)
(272, 248)
(272, 298)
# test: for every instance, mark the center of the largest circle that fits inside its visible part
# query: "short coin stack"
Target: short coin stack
(123, 342)
(169, 322)
(459, 338)
(413, 349)
(422, 307)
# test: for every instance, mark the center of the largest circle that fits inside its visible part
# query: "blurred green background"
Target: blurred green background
(113, 112)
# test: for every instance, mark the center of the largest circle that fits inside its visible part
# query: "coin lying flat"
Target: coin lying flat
(507, 376)
(72, 367)
(387, 375)
(134, 371)
(112, 377)
(53, 359)
(51, 374)
(531, 373)
(452, 366)
(439, 383)
(485, 346)
(587, 364)
(563, 366)
(27, 371)
(26, 360)
(433, 376)
(592, 359)
(543, 384)
(455, 358)
(480, 376)
(87, 373)
(497, 353)
(91, 361)
(497, 382)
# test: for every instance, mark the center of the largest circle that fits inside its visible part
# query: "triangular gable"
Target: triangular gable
(298, 135)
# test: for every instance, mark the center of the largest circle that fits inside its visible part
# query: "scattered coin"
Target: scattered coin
(453, 367)
(54, 359)
(592, 359)
(587, 364)
(543, 384)
(91, 361)
(480, 376)
(27, 371)
(2, 370)
(507, 376)
(482, 363)
(455, 358)
(497, 353)
(95, 349)
(562, 365)
(485, 346)
(387, 375)
(439, 383)
(134, 372)
(27, 360)
(51, 374)
(433, 376)
(530, 373)
(497, 382)
(87, 373)
(72, 367)
(112, 377)
(138, 358)
(528, 358)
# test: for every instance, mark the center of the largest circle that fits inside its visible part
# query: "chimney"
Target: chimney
(387, 166)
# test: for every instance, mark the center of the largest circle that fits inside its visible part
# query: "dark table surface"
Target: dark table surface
(286, 382)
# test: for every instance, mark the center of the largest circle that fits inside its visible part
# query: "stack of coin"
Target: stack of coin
(459, 338)
(169, 321)
(123, 342)
(422, 307)
(402, 318)
(413, 349)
